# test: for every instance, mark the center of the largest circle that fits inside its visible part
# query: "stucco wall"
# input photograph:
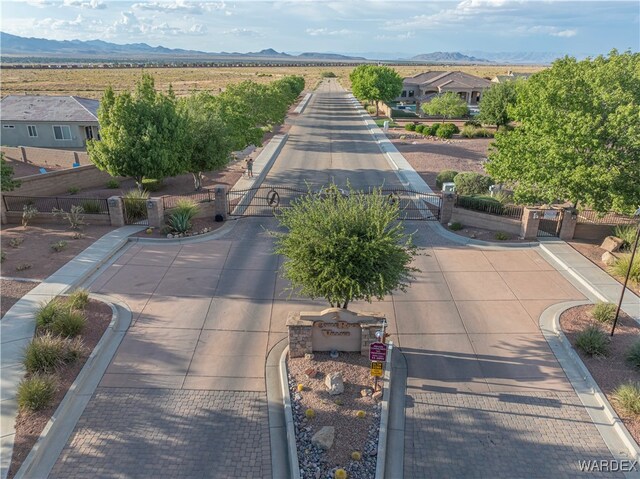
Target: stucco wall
(482, 220)
(19, 134)
(49, 158)
(592, 232)
(59, 182)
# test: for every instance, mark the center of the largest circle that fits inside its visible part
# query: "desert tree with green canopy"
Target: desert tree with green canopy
(447, 105)
(375, 83)
(6, 175)
(496, 102)
(142, 134)
(577, 137)
(345, 247)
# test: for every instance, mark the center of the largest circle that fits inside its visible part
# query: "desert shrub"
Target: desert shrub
(151, 184)
(91, 207)
(433, 129)
(627, 396)
(135, 204)
(3, 256)
(58, 246)
(592, 341)
(419, 128)
(112, 184)
(75, 216)
(68, 324)
(484, 133)
(36, 392)
(468, 183)
(187, 207)
(23, 266)
(47, 352)
(371, 110)
(17, 241)
(410, 127)
(481, 203)
(474, 132)
(621, 266)
(328, 75)
(180, 222)
(603, 312)
(456, 226)
(445, 176)
(78, 299)
(502, 197)
(472, 122)
(447, 130)
(28, 212)
(73, 190)
(633, 356)
(626, 233)
(501, 236)
(47, 313)
(469, 131)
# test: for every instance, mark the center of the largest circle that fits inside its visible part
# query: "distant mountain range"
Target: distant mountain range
(447, 57)
(39, 47)
(94, 50)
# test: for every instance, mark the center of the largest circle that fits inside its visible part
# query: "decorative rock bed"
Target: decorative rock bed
(353, 414)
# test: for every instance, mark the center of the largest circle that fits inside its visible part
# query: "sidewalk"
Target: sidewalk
(18, 325)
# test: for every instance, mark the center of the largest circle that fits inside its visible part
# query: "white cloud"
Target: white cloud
(399, 36)
(130, 24)
(546, 30)
(314, 32)
(182, 6)
(55, 24)
(242, 32)
(40, 3)
(91, 4)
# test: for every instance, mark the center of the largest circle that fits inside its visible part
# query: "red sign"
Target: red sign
(378, 352)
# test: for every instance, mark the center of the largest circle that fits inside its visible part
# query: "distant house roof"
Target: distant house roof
(449, 80)
(510, 76)
(38, 108)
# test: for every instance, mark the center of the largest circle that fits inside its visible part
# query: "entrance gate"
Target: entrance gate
(550, 223)
(270, 200)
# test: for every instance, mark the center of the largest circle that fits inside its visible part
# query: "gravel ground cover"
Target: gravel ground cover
(352, 433)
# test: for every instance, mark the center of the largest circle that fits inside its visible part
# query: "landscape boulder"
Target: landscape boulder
(334, 383)
(612, 244)
(323, 439)
(609, 258)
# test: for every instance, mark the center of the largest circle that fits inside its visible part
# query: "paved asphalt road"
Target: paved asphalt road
(184, 395)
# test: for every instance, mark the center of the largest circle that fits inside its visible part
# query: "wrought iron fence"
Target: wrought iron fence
(489, 207)
(415, 205)
(594, 218)
(46, 204)
(203, 196)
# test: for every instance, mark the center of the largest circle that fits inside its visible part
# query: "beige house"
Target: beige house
(423, 87)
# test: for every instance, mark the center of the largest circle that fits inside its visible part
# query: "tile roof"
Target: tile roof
(38, 108)
(439, 79)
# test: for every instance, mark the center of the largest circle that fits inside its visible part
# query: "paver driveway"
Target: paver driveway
(486, 397)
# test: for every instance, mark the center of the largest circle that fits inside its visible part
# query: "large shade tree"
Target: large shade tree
(578, 135)
(447, 105)
(345, 247)
(496, 102)
(142, 133)
(375, 83)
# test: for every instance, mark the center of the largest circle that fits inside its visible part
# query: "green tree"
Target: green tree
(142, 134)
(208, 141)
(345, 247)
(578, 135)
(6, 175)
(375, 83)
(447, 105)
(495, 103)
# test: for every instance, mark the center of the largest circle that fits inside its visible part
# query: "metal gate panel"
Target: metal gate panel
(550, 222)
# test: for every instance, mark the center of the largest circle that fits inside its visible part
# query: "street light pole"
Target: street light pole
(626, 279)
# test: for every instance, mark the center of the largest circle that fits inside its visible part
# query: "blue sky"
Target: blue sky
(349, 26)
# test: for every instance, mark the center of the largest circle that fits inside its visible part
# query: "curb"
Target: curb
(615, 435)
(394, 467)
(303, 104)
(277, 423)
(294, 466)
(58, 430)
(383, 437)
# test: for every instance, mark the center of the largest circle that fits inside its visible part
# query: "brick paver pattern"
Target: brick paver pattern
(501, 435)
(162, 433)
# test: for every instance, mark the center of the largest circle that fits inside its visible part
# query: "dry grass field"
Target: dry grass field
(91, 83)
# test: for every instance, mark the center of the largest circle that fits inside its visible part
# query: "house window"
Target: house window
(33, 132)
(8, 126)
(88, 132)
(403, 94)
(411, 92)
(62, 132)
